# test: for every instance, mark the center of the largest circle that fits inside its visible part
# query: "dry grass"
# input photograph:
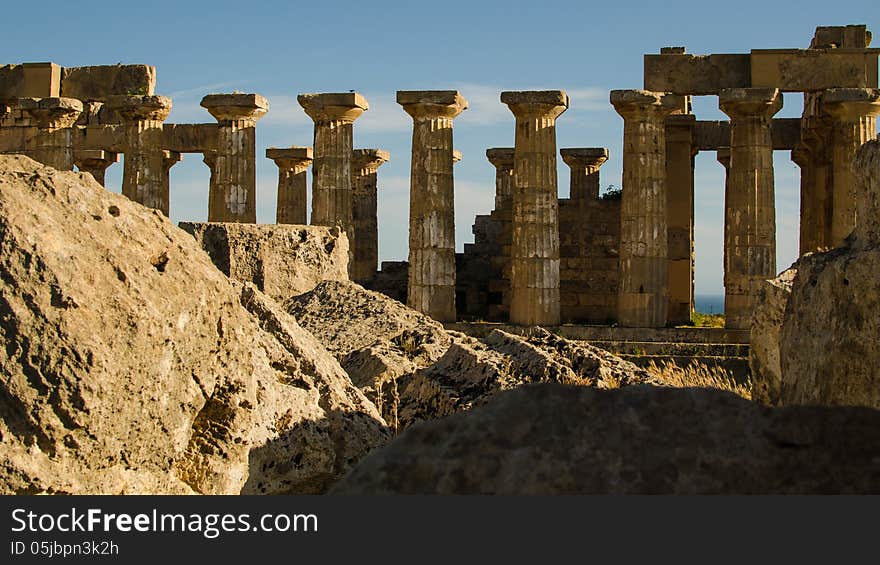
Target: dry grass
(699, 375)
(703, 320)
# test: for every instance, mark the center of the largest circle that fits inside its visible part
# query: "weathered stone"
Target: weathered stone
(102, 81)
(143, 174)
(292, 162)
(643, 299)
(132, 365)
(680, 154)
(233, 192)
(281, 260)
(767, 318)
(95, 162)
(334, 115)
(431, 286)
(54, 118)
(30, 80)
(554, 439)
(828, 343)
(502, 159)
(584, 163)
(534, 261)
(364, 166)
(810, 70)
(681, 73)
(749, 204)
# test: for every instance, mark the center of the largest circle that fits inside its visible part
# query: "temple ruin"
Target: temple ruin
(537, 259)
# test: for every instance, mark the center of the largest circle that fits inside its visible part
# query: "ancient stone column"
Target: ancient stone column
(584, 163)
(233, 193)
(364, 166)
(169, 159)
(680, 216)
(750, 208)
(143, 172)
(534, 264)
(53, 145)
(502, 159)
(854, 112)
(643, 298)
(723, 157)
(292, 162)
(95, 162)
(431, 285)
(334, 115)
(800, 155)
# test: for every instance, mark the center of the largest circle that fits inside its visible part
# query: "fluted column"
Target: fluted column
(750, 208)
(584, 163)
(431, 285)
(800, 156)
(723, 157)
(143, 172)
(502, 159)
(169, 159)
(364, 166)
(334, 115)
(292, 162)
(643, 298)
(53, 145)
(534, 284)
(95, 162)
(233, 192)
(680, 154)
(854, 112)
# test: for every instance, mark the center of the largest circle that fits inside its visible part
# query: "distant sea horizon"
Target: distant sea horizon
(709, 303)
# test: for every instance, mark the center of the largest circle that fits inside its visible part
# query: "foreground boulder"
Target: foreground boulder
(557, 439)
(281, 260)
(828, 342)
(132, 365)
(768, 316)
(415, 370)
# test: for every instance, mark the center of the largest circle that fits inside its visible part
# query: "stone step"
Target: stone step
(674, 348)
(682, 334)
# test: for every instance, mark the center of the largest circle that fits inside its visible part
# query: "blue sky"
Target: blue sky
(280, 49)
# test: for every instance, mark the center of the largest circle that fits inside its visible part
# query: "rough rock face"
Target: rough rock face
(281, 260)
(415, 370)
(556, 439)
(132, 365)
(767, 318)
(828, 343)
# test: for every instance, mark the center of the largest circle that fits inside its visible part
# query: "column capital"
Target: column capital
(750, 102)
(584, 157)
(432, 103)
(800, 155)
(140, 108)
(235, 106)
(290, 157)
(538, 103)
(52, 112)
(369, 159)
(500, 157)
(333, 106)
(723, 156)
(456, 156)
(636, 102)
(170, 158)
(94, 156)
(851, 104)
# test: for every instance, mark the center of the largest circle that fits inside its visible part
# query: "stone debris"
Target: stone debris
(764, 363)
(281, 260)
(550, 439)
(132, 365)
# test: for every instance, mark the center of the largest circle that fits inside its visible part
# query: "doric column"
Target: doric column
(143, 172)
(534, 265)
(431, 285)
(584, 163)
(800, 155)
(169, 159)
(94, 162)
(292, 162)
(53, 145)
(723, 157)
(364, 165)
(233, 192)
(643, 298)
(680, 216)
(502, 159)
(334, 115)
(854, 113)
(750, 208)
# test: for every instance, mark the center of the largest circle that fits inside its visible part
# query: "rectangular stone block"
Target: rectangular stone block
(810, 70)
(281, 260)
(696, 74)
(99, 82)
(30, 80)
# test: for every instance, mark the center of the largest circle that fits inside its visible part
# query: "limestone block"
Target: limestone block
(30, 80)
(696, 74)
(101, 81)
(281, 260)
(810, 70)
(767, 318)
